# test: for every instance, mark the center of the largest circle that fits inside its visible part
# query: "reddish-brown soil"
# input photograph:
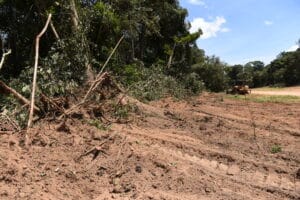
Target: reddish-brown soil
(205, 148)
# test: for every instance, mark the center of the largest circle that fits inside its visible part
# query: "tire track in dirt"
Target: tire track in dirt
(269, 182)
(230, 117)
(196, 146)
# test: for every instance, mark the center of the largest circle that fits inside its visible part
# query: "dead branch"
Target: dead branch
(95, 84)
(111, 54)
(114, 82)
(54, 30)
(53, 103)
(17, 95)
(41, 8)
(95, 150)
(3, 58)
(99, 79)
(100, 76)
(35, 69)
(77, 106)
(12, 122)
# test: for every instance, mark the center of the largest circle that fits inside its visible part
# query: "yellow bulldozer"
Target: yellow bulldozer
(239, 87)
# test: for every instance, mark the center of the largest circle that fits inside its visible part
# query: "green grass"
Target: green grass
(98, 124)
(267, 98)
(276, 149)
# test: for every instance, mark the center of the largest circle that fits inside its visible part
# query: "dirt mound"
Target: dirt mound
(205, 148)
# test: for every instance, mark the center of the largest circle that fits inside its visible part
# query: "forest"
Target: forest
(157, 55)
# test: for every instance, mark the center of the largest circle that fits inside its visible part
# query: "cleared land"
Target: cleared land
(210, 147)
(291, 91)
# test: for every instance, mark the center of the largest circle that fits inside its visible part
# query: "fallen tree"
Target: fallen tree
(5, 89)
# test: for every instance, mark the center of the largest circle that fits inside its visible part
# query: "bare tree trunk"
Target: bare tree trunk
(171, 57)
(37, 43)
(74, 16)
(3, 58)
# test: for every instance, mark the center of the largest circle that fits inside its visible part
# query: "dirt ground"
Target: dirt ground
(292, 91)
(209, 147)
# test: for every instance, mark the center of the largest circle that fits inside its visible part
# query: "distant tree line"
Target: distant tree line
(282, 71)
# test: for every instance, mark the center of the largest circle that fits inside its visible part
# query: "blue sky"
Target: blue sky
(239, 31)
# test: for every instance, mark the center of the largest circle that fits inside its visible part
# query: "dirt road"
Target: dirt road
(292, 91)
(207, 148)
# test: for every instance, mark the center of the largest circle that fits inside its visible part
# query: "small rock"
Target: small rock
(117, 189)
(233, 170)
(138, 169)
(298, 174)
(128, 188)
(207, 190)
(223, 167)
(116, 181)
(22, 195)
(4, 193)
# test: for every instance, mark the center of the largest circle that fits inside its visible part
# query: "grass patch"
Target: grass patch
(98, 124)
(267, 98)
(276, 149)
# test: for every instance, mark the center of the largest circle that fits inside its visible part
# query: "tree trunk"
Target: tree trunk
(74, 15)
(37, 43)
(171, 56)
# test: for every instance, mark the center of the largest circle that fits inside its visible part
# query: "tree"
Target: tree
(212, 73)
(285, 69)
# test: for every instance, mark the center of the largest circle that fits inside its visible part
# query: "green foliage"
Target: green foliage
(154, 84)
(122, 112)
(98, 124)
(61, 73)
(276, 149)
(212, 73)
(285, 69)
(10, 104)
(129, 74)
(193, 83)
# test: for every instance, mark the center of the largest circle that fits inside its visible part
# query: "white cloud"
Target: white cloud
(197, 2)
(209, 28)
(293, 48)
(268, 23)
(225, 30)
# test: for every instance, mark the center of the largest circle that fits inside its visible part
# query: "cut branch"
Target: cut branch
(99, 79)
(101, 76)
(54, 30)
(37, 43)
(17, 95)
(111, 54)
(3, 58)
